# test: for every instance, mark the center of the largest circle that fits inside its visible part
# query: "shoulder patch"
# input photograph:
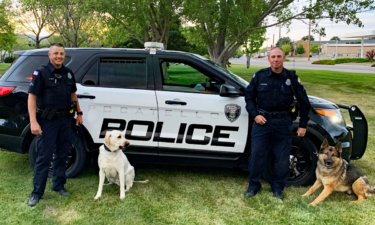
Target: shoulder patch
(254, 75)
(299, 81)
(36, 72)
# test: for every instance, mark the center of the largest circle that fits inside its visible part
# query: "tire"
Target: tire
(75, 161)
(302, 166)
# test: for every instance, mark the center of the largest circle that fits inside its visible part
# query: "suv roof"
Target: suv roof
(98, 50)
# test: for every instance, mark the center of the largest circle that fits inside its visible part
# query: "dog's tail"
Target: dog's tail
(371, 189)
(142, 181)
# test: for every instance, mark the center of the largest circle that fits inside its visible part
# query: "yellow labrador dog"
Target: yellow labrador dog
(114, 165)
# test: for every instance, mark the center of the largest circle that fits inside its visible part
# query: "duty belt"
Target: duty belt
(271, 115)
(51, 114)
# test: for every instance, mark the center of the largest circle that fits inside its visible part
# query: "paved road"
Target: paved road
(302, 63)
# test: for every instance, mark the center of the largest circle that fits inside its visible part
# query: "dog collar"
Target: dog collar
(106, 148)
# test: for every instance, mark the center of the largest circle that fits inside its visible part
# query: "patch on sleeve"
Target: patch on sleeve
(36, 72)
(31, 84)
(299, 81)
(254, 75)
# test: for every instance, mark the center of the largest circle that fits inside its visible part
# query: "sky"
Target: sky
(298, 29)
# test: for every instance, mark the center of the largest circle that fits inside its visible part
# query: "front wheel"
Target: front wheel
(302, 165)
(74, 162)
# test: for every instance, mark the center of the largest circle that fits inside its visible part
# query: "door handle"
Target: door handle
(86, 96)
(170, 102)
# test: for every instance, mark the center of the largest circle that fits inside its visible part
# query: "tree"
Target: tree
(148, 20)
(334, 38)
(23, 43)
(72, 20)
(314, 48)
(253, 45)
(32, 15)
(7, 36)
(370, 55)
(283, 40)
(225, 25)
(306, 38)
(177, 41)
(300, 49)
(286, 48)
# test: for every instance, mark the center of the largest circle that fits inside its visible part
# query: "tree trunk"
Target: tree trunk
(248, 58)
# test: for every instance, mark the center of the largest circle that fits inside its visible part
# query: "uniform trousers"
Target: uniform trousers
(53, 143)
(265, 140)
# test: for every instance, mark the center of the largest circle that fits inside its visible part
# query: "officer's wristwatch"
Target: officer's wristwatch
(80, 113)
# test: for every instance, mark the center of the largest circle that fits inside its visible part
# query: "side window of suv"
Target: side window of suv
(117, 73)
(179, 76)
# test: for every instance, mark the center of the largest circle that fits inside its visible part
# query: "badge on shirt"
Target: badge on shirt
(36, 72)
(69, 76)
(287, 82)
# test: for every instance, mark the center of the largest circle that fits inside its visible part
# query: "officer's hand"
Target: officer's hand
(259, 119)
(79, 120)
(301, 132)
(35, 128)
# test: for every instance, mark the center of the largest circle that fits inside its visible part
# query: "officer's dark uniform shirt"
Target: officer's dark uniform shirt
(52, 92)
(272, 92)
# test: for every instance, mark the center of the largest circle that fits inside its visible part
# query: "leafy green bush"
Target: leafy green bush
(341, 60)
(9, 59)
(351, 60)
(325, 62)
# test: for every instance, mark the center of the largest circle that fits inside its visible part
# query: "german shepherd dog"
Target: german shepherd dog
(336, 174)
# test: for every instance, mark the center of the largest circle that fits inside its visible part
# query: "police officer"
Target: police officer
(51, 92)
(268, 100)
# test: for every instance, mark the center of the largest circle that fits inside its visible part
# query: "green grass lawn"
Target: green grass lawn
(196, 195)
(3, 67)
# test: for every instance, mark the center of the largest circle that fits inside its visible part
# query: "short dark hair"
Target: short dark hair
(57, 45)
(279, 49)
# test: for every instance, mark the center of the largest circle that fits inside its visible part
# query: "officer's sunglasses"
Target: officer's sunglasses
(57, 76)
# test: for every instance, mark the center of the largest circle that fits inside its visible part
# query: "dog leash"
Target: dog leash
(287, 133)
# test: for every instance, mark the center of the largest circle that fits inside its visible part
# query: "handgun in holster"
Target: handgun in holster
(72, 109)
(45, 113)
(51, 114)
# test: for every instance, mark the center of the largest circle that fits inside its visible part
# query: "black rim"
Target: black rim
(69, 158)
(299, 163)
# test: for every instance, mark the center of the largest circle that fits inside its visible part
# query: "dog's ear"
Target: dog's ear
(324, 145)
(106, 138)
(339, 148)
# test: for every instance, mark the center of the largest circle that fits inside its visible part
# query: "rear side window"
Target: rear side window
(23, 72)
(117, 73)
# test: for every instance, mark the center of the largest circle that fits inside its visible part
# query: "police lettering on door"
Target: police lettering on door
(185, 132)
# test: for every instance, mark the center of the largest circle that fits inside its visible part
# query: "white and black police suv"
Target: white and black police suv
(174, 108)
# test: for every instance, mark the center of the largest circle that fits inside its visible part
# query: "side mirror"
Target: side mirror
(227, 90)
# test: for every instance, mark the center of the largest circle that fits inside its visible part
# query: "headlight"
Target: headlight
(334, 115)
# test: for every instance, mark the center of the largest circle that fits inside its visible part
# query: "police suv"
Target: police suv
(174, 108)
